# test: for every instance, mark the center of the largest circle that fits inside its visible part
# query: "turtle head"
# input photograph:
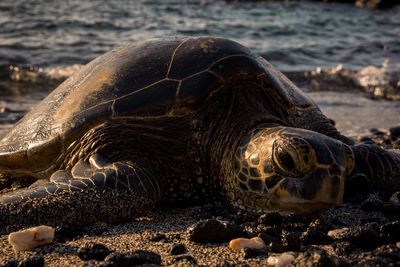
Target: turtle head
(290, 169)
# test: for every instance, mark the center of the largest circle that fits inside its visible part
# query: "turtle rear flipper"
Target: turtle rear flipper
(88, 194)
(381, 167)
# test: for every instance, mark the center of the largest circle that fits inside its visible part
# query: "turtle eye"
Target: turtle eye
(284, 160)
(294, 156)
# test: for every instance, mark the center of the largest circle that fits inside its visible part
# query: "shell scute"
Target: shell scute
(196, 89)
(155, 100)
(197, 54)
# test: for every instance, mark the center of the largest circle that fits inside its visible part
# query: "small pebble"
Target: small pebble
(214, 231)
(93, 252)
(178, 249)
(67, 232)
(139, 257)
(282, 260)
(34, 261)
(32, 237)
(241, 243)
(315, 237)
(365, 237)
(158, 237)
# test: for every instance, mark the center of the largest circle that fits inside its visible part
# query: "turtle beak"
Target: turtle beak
(319, 190)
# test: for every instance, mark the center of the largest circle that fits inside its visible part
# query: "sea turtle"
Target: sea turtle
(179, 120)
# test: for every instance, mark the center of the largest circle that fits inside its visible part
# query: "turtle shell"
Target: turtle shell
(155, 78)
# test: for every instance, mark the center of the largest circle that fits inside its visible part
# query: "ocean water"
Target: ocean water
(322, 46)
(293, 35)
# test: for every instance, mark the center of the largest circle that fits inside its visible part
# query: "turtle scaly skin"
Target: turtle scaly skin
(180, 121)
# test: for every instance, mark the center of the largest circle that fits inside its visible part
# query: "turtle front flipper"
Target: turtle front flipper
(381, 167)
(91, 192)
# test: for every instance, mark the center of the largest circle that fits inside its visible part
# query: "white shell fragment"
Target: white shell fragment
(32, 237)
(241, 243)
(282, 260)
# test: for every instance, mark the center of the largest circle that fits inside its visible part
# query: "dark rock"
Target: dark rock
(365, 237)
(214, 231)
(316, 258)
(10, 263)
(344, 248)
(93, 252)
(185, 259)
(315, 237)
(372, 203)
(290, 241)
(391, 231)
(253, 253)
(178, 249)
(267, 238)
(270, 218)
(34, 261)
(276, 247)
(158, 237)
(139, 257)
(67, 232)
